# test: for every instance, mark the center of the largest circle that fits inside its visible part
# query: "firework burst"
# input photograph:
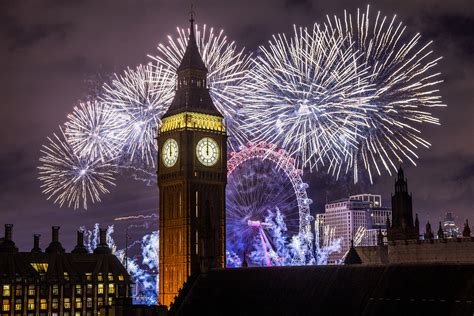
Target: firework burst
(139, 98)
(305, 94)
(227, 66)
(70, 179)
(93, 131)
(401, 79)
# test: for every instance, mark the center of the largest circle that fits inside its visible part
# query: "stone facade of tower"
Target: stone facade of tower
(192, 176)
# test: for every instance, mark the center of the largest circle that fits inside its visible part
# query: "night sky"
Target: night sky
(54, 53)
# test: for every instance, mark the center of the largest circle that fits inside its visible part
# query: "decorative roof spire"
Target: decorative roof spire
(192, 58)
(440, 231)
(467, 230)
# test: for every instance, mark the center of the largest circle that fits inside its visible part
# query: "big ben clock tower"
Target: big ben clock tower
(192, 175)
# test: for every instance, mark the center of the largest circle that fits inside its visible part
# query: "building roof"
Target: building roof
(409, 289)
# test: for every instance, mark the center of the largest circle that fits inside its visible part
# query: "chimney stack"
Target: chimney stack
(8, 231)
(8, 245)
(80, 248)
(102, 247)
(55, 246)
(55, 236)
(36, 243)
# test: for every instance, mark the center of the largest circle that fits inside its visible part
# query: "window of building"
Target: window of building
(18, 304)
(54, 314)
(110, 301)
(110, 277)
(66, 276)
(55, 289)
(78, 302)
(6, 290)
(111, 288)
(120, 277)
(67, 303)
(78, 289)
(89, 302)
(55, 303)
(89, 289)
(43, 304)
(100, 277)
(31, 290)
(89, 276)
(18, 290)
(100, 301)
(31, 304)
(100, 288)
(77, 314)
(6, 305)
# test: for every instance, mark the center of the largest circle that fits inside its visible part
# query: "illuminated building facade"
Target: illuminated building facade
(361, 214)
(192, 175)
(57, 283)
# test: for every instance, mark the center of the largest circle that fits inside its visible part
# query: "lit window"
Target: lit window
(66, 276)
(55, 289)
(43, 304)
(67, 303)
(111, 288)
(78, 302)
(78, 289)
(18, 305)
(89, 302)
(100, 288)
(100, 301)
(77, 314)
(89, 276)
(6, 305)
(55, 304)
(40, 267)
(110, 301)
(31, 290)
(6, 290)
(121, 278)
(99, 277)
(110, 277)
(31, 304)
(18, 290)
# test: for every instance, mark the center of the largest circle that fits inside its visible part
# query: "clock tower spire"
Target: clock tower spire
(192, 176)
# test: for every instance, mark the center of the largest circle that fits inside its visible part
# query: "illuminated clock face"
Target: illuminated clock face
(207, 151)
(169, 152)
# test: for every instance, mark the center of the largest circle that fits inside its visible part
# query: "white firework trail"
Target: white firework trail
(402, 80)
(139, 97)
(93, 130)
(70, 179)
(227, 70)
(304, 94)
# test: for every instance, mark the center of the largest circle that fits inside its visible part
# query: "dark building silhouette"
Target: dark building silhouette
(192, 175)
(402, 226)
(56, 283)
(395, 289)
